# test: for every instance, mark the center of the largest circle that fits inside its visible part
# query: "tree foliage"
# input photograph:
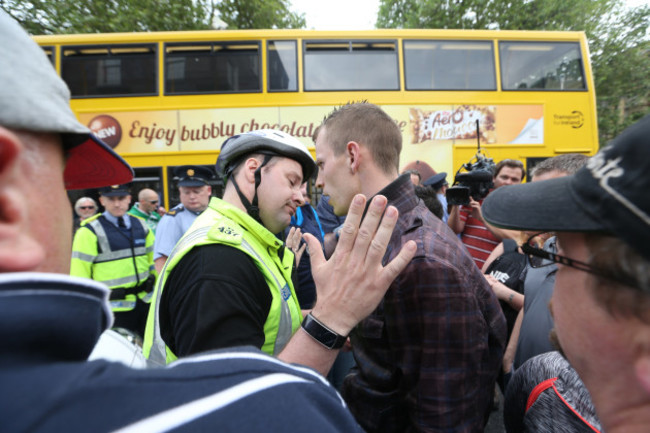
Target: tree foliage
(618, 41)
(105, 16)
(260, 14)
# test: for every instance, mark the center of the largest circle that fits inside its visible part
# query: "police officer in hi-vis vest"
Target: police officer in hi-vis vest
(116, 249)
(228, 280)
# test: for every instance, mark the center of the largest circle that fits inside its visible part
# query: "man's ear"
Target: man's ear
(250, 166)
(19, 251)
(10, 147)
(642, 362)
(353, 151)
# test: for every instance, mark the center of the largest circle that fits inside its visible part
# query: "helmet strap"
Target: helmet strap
(251, 208)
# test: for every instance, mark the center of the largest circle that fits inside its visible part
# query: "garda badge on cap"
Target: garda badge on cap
(190, 172)
(114, 190)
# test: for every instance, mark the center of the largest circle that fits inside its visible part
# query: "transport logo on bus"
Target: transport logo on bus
(107, 128)
(575, 119)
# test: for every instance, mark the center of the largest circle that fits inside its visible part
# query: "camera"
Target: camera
(476, 181)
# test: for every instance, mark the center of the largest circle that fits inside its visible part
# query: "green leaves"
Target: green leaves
(107, 16)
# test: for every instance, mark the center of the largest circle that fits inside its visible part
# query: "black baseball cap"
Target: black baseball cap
(193, 175)
(611, 194)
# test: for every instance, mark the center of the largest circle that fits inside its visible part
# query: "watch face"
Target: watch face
(322, 334)
(328, 339)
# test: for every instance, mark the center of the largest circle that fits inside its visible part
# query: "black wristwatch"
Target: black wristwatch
(323, 334)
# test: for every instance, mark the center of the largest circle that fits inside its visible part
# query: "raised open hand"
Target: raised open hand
(353, 281)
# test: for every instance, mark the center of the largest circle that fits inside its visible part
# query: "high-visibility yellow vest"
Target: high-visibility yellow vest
(102, 253)
(223, 223)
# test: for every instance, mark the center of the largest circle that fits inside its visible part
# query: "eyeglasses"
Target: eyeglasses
(539, 258)
(153, 201)
(86, 207)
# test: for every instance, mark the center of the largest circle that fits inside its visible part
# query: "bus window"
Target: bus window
(449, 65)
(147, 177)
(172, 185)
(282, 66)
(49, 52)
(109, 70)
(212, 67)
(350, 65)
(541, 65)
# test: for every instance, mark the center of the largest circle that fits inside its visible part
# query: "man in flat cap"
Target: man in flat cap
(601, 300)
(195, 193)
(116, 249)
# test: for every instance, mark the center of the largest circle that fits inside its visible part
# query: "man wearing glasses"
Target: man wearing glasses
(85, 207)
(601, 300)
(146, 207)
(530, 336)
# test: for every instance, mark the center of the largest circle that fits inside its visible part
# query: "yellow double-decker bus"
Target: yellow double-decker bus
(171, 98)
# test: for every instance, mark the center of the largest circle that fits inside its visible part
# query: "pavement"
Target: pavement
(495, 423)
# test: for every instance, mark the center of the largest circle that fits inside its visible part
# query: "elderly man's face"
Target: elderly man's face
(594, 341)
(86, 209)
(49, 216)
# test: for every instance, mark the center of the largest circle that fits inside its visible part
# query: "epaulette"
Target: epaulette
(90, 219)
(176, 211)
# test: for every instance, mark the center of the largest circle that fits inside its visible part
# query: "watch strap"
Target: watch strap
(321, 333)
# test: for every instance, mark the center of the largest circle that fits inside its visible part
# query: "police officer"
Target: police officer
(195, 195)
(228, 282)
(439, 184)
(117, 249)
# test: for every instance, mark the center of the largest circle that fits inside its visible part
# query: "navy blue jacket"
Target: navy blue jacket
(48, 326)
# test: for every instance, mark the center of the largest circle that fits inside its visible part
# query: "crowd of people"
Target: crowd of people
(412, 308)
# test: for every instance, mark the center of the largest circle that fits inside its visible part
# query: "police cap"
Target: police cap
(193, 175)
(115, 190)
(436, 181)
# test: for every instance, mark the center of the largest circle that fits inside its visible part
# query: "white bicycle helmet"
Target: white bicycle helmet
(269, 143)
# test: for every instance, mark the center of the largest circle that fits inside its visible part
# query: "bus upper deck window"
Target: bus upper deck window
(282, 66)
(212, 67)
(350, 65)
(109, 70)
(541, 66)
(449, 65)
